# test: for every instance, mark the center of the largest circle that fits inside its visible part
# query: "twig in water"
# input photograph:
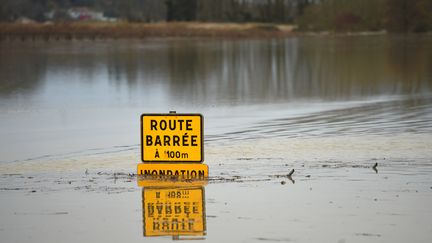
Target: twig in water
(289, 176)
(291, 173)
(375, 167)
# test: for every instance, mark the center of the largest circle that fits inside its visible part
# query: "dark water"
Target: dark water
(65, 97)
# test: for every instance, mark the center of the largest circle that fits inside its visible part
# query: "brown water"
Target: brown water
(329, 107)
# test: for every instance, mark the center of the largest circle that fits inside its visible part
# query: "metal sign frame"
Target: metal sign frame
(173, 114)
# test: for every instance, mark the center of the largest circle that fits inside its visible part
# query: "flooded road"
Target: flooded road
(328, 107)
(67, 97)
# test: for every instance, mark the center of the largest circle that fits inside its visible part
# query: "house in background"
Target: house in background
(83, 13)
(78, 14)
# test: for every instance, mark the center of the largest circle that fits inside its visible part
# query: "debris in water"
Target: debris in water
(283, 182)
(368, 234)
(375, 167)
(291, 172)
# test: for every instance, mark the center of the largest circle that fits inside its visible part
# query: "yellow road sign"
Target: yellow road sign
(181, 171)
(174, 211)
(172, 138)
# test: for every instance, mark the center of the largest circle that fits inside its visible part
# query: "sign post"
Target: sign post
(172, 145)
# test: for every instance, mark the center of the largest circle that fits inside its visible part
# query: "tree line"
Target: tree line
(309, 15)
(281, 11)
(360, 15)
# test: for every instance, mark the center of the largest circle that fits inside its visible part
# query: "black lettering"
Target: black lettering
(158, 141)
(172, 124)
(159, 208)
(176, 140)
(163, 125)
(191, 224)
(194, 140)
(165, 224)
(156, 225)
(193, 174)
(153, 125)
(195, 208)
(175, 224)
(167, 140)
(168, 209)
(161, 172)
(177, 208)
(149, 140)
(189, 125)
(186, 209)
(150, 209)
(154, 172)
(201, 174)
(185, 140)
(181, 124)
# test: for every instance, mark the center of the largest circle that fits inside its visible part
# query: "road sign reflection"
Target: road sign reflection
(174, 211)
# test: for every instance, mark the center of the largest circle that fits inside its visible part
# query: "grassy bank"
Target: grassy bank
(71, 31)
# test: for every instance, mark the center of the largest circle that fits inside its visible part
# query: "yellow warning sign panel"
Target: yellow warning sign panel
(173, 211)
(181, 171)
(172, 138)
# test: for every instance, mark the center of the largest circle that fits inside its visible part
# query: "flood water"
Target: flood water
(330, 107)
(65, 97)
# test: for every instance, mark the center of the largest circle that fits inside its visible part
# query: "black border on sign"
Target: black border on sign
(173, 114)
(204, 219)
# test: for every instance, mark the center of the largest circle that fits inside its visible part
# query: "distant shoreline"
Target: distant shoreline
(125, 30)
(101, 30)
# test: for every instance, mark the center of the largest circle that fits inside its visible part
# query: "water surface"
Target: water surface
(72, 96)
(328, 107)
